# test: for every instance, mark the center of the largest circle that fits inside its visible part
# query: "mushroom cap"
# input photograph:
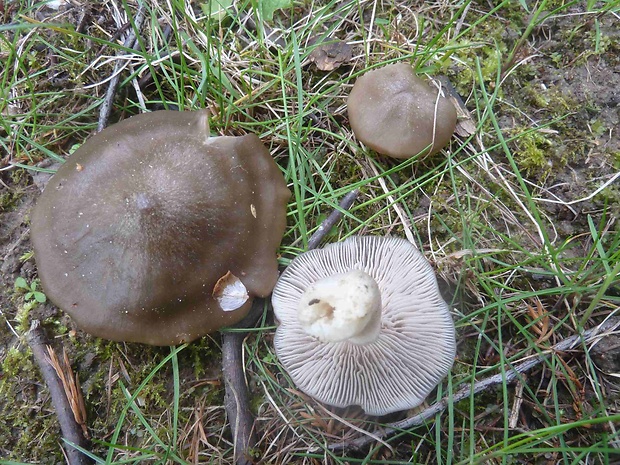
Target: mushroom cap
(396, 113)
(416, 344)
(152, 223)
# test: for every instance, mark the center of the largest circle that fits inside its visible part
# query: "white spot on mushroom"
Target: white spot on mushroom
(230, 292)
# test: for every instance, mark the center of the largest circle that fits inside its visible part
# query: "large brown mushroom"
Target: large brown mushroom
(396, 113)
(155, 232)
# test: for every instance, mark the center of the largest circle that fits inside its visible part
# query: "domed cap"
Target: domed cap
(396, 113)
(361, 322)
(155, 232)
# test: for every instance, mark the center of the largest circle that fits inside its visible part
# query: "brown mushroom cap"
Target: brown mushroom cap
(362, 322)
(396, 113)
(136, 233)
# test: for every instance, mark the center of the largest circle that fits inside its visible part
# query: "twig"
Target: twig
(332, 219)
(71, 430)
(394, 204)
(516, 405)
(507, 377)
(130, 41)
(236, 399)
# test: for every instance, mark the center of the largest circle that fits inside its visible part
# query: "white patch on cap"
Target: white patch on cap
(230, 292)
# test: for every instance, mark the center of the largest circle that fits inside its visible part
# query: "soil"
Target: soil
(561, 77)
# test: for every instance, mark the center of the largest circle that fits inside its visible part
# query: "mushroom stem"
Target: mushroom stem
(342, 307)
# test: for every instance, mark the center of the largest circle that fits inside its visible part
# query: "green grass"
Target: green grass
(485, 218)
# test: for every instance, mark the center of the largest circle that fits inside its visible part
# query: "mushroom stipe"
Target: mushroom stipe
(153, 231)
(362, 322)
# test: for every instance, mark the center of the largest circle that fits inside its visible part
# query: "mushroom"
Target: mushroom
(396, 113)
(362, 322)
(155, 232)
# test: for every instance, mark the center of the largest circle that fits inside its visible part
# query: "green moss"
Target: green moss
(534, 154)
(34, 424)
(200, 356)
(14, 362)
(22, 317)
(10, 198)
(537, 97)
(7, 200)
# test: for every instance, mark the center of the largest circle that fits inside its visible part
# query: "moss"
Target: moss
(22, 317)
(610, 197)
(31, 419)
(10, 199)
(534, 154)
(615, 157)
(155, 399)
(200, 356)
(14, 362)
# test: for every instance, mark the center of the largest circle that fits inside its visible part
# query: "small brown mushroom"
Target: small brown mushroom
(396, 113)
(362, 322)
(155, 232)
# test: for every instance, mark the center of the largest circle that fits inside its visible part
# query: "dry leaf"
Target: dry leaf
(331, 55)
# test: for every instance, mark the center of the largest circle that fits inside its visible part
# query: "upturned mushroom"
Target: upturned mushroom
(396, 113)
(362, 322)
(153, 231)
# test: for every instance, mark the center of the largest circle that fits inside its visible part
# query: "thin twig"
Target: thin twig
(332, 219)
(507, 377)
(70, 428)
(236, 398)
(130, 41)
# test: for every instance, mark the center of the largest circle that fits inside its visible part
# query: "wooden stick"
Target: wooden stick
(332, 219)
(508, 376)
(70, 428)
(130, 40)
(236, 398)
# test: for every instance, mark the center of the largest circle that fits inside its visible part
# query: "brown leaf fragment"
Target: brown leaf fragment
(71, 386)
(331, 55)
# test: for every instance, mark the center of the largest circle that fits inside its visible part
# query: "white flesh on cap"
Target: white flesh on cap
(230, 292)
(341, 307)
